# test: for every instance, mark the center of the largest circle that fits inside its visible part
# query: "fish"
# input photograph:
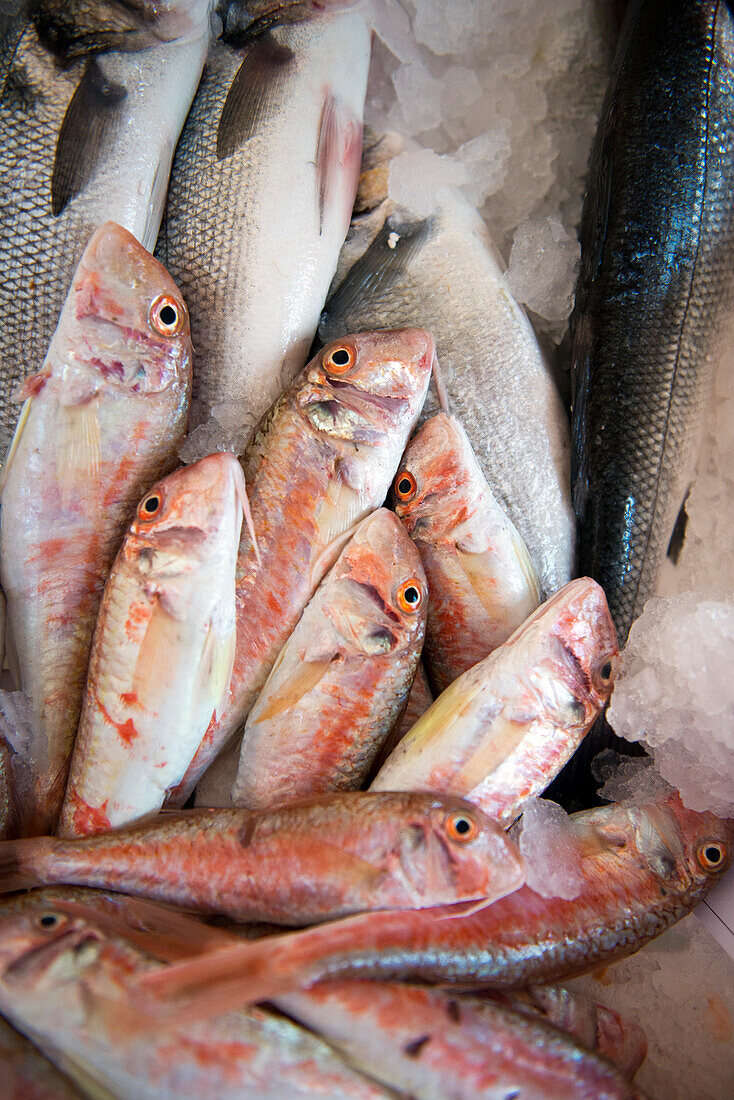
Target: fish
(643, 868)
(101, 420)
(321, 460)
(419, 700)
(342, 679)
(245, 19)
(27, 1074)
(56, 966)
(311, 861)
(593, 1025)
(482, 582)
(430, 1043)
(81, 146)
(503, 730)
(498, 384)
(655, 291)
(163, 647)
(259, 203)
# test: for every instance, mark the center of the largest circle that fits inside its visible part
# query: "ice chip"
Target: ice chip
(418, 178)
(550, 850)
(543, 267)
(631, 780)
(675, 694)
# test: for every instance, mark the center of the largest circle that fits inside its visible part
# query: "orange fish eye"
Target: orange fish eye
(150, 506)
(49, 920)
(405, 486)
(712, 855)
(461, 828)
(606, 670)
(166, 315)
(410, 595)
(340, 359)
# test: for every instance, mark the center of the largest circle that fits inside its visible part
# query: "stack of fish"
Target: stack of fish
(259, 632)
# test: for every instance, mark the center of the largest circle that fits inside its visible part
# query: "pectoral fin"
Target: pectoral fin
(306, 676)
(256, 87)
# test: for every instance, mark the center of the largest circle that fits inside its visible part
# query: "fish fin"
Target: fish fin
(324, 560)
(439, 383)
(22, 863)
(152, 667)
(214, 672)
(467, 909)
(307, 676)
(678, 534)
(338, 156)
(86, 130)
(386, 259)
(87, 1077)
(256, 86)
(15, 442)
(340, 511)
(157, 198)
(478, 571)
(77, 446)
(491, 751)
(447, 709)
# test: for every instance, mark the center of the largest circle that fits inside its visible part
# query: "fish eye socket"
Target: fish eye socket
(49, 921)
(460, 827)
(405, 486)
(712, 856)
(166, 316)
(410, 595)
(606, 670)
(150, 506)
(339, 360)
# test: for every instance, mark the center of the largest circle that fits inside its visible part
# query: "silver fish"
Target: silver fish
(261, 194)
(497, 381)
(80, 147)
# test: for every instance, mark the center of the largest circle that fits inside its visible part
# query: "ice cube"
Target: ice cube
(550, 849)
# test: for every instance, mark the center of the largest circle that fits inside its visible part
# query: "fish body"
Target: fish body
(482, 583)
(643, 868)
(261, 194)
(245, 19)
(162, 650)
(82, 146)
(101, 421)
(656, 289)
(432, 1044)
(503, 730)
(342, 679)
(311, 861)
(52, 967)
(442, 272)
(27, 1074)
(321, 460)
(419, 700)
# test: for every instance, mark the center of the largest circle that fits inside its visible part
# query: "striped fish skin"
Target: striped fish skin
(259, 203)
(53, 965)
(342, 679)
(81, 146)
(102, 420)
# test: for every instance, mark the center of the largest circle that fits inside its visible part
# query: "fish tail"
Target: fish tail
(26, 863)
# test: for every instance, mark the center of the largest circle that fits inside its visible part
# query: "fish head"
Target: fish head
(577, 653)
(187, 517)
(434, 488)
(129, 326)
(455, 852)
(385, 593)
(363, 388)
(40, 943)
(702, 842)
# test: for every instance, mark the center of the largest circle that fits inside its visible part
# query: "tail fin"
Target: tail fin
(24, 863)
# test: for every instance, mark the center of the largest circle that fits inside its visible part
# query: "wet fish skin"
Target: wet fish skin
(243, 20)
(259, 203)
(498, 384)
(482, 583)
(55, 966)
(102, 420)
(163, 646)
(321, 460)
(643, 869)
(80, 147)
(432, 1044)
(503, 730)
(357, 643)
(311, 861)
(656, 289)
(419, 700)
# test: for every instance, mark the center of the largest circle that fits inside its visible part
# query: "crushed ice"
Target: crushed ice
(550, 849)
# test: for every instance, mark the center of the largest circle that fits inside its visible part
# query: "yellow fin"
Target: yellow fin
(15, 442)
(448, 710)
(154, 662)
(340, 509)
(305, 678)
(497, 743)
(481, 577)
(77, 445)
(214, 673)
(526, 564)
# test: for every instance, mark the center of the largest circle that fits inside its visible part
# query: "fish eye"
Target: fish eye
(339, 360)
(166, 316)
(49, 921)
(460, 827)
(712, 855)
(150, 506)
(405, 486)
(606, 670)
(410, 595)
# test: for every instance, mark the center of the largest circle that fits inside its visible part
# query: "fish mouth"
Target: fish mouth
(40, 958)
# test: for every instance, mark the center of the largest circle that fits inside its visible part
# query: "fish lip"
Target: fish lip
(45, 953)
(372, 594)
(360, 398)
